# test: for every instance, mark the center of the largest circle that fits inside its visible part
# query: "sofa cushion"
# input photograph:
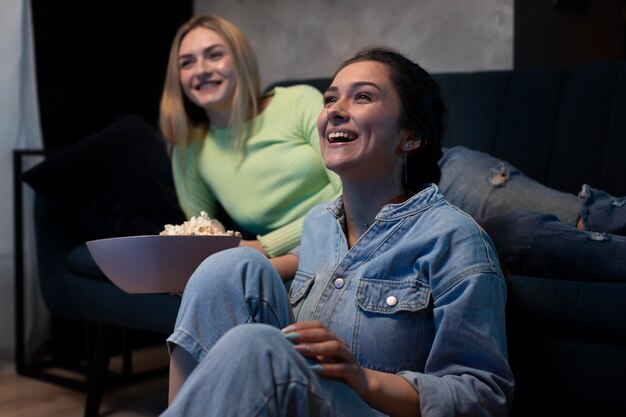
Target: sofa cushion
(117, 182)
(82, 263)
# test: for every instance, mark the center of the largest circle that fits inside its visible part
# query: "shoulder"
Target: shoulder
(449, 229)
(321, 212)
(296, 104)
(299, 92)
(458, 225)
(467, 241)
(187, 155)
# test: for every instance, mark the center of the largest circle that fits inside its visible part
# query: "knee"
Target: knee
(253, 338)
(234, 256)
(230, 269)
(226, 267)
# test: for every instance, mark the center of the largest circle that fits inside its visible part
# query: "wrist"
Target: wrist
(372, 384)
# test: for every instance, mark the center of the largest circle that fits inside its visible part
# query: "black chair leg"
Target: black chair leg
(98, 369)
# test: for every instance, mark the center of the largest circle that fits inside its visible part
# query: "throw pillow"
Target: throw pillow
(117, 182)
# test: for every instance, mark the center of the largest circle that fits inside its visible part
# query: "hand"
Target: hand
(313, 340)
(255, 244)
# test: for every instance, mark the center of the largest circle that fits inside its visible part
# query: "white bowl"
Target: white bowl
(153, 264)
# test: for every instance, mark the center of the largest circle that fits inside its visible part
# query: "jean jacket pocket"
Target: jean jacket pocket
(300, 287)
(389, 297)
(393, 324)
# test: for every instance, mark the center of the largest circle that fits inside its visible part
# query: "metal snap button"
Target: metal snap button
(392, 301)
(339, 283)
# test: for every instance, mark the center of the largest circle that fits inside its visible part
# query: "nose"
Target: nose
(337, 112)
(204, 69)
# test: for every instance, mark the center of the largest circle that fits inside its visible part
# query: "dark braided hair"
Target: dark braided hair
(422, 110)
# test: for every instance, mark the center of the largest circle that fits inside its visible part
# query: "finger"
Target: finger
(336, 370)
(308, 335)
(294, 327)
(331, 351)
(315, 335)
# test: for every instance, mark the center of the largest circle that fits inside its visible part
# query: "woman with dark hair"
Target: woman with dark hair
(397, 307)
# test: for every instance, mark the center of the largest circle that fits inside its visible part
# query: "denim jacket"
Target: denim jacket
(420, 294)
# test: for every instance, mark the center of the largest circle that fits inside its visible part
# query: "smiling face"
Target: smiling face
(207, 73)
(359, 129)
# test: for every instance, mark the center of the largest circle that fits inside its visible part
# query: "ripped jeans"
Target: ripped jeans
(484, 187)
(533, 226)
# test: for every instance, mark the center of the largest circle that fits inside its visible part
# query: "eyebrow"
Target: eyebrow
(208, 49)
(356, 85)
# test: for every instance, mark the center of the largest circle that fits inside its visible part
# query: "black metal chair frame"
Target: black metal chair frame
(96, 373)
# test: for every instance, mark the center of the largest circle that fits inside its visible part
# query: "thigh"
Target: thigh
(484, 186)
(538, 244)
(253, 370)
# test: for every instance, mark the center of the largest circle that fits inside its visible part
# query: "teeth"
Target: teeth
(207, 84)
(341, 137)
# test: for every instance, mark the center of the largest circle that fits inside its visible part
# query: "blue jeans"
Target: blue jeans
(484, 186)
(229, 320)
(532, 226)
(538, 244)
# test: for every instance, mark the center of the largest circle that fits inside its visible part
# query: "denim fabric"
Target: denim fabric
(602, 212)
(258, 371)
(532, 225)
(229, 288)
(253, 371)
(538, 244)
(484, 186)
(420, 294)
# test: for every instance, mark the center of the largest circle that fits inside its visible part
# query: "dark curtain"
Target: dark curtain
(97, 60)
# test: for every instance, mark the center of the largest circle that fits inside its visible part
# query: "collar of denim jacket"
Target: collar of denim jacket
(428, 196)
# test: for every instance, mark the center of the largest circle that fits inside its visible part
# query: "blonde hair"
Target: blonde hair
(180, 120)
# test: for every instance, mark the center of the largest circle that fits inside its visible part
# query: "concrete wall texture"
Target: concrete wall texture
(310, 38)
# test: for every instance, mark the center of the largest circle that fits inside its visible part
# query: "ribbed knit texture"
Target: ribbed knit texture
(281, 177)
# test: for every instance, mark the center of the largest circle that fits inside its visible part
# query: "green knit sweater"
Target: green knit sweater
(281, 177)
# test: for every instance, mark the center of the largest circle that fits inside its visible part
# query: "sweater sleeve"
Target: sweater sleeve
(280, 241)
(193, 193)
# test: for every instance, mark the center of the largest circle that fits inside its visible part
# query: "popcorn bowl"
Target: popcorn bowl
(155, 264)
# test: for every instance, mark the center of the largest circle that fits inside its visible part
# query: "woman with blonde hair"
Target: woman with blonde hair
(254, 155)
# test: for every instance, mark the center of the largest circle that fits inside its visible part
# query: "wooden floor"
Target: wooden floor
(27, 397)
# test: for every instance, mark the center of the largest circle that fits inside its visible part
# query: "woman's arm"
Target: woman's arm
(388, 393)
(193, 193)
(285, 265)
(279, 241)
(391, 394)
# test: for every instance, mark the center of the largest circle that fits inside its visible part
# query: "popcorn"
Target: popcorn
(201, 225)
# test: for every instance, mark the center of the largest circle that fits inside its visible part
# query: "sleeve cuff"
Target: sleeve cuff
(280, 241)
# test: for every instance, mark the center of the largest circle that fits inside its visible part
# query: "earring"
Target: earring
(407, 146)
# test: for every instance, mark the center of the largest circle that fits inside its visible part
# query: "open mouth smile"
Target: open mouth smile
(206, 84)
(341, 137)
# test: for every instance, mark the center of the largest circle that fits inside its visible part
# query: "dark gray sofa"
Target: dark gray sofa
(567, 338)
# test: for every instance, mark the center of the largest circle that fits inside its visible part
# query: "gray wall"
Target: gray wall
(309, 38)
